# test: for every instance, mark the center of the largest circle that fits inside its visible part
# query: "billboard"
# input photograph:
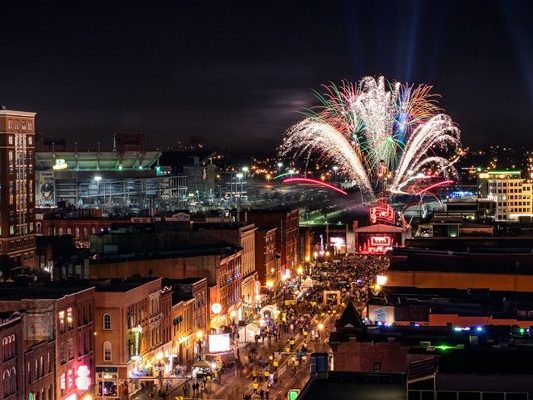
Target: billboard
(219, 343)
(46, 189)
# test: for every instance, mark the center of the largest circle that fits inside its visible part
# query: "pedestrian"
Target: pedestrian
(267, 394)
(262, 394)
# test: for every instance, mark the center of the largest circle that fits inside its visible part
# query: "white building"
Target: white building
(512, 194)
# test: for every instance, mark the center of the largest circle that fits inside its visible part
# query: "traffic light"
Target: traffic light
(293, 394)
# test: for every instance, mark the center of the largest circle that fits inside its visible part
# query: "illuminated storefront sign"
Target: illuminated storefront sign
(219, 343)
(83, 380)
(377, 244)
(135, 351)
(216, 308)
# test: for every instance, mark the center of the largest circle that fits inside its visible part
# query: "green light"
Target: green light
(281, 175)
(120, 167)
(444, 347)
(293, 394)
(140, 167)
(522, 331)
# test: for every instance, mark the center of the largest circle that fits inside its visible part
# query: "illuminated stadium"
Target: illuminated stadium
(128, 180)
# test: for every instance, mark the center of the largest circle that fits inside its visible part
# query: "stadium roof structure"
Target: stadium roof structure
(96, 160)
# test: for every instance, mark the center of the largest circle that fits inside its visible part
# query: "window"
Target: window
(377, 366)
(61, 321)
(70, 318)
(107, 322)
(107, 351)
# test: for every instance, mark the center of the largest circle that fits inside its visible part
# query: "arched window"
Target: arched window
(107, 322)
(7, 382)
(107, 351)
(14, 387)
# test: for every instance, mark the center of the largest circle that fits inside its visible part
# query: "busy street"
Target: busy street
(295, 320)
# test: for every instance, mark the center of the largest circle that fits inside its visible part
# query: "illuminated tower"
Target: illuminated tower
(17, 200)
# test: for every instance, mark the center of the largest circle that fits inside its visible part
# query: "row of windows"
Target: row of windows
(9, 347)
(20, 124)
(9, 381)
(514, 203)
(516, 210)
(38, 369)
(42, 395)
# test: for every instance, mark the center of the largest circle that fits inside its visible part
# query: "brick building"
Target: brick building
(218, 262)
(58, 326)
(11, 356)
(183, 329)
(131, 316)
(266, 262)
(287, 222)
(197, 289)
(17, 205)
(241, 235)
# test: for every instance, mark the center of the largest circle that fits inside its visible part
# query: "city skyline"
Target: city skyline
(240, 74)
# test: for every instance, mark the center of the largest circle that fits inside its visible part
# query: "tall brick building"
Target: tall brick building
(17, 198)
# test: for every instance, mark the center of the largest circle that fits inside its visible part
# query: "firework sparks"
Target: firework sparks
(379, 134)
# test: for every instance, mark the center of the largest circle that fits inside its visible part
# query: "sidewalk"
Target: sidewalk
(175, 388)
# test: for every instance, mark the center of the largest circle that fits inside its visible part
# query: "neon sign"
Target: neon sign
(380, 241)
(83, 380)
(136, 343)
(382, 213)
(377, 244)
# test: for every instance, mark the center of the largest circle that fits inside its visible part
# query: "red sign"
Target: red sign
(377, 244)
(380, 241)
(382, 213)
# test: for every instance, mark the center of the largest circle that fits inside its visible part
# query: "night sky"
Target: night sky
(237, 73)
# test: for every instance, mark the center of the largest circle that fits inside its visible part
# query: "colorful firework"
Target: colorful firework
(380, 134)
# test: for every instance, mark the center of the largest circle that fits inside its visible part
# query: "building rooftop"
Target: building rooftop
(198, 225)
(10, 291)
(479, 260)
(437, 336)
(355, 386)
(182, 281)
(97, 160)
(463, 302)
(183, 250)
(120, 284)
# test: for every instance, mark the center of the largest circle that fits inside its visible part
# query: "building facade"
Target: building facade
(197, 289)
(130, 343)
(266, 263)
(183, 332)
(11, 357)
(17, 207)
(287, 222)
(59, 330)
(512, 194)
(242, 235)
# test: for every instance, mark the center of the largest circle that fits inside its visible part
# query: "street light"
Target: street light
(299, 270)
(269, 284)
(199, 342)
(280, 164)
(381, 280)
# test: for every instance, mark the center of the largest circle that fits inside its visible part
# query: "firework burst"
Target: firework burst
(380, 134)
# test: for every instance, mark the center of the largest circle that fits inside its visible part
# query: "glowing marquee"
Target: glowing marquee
(377, 244)
(382, 213)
